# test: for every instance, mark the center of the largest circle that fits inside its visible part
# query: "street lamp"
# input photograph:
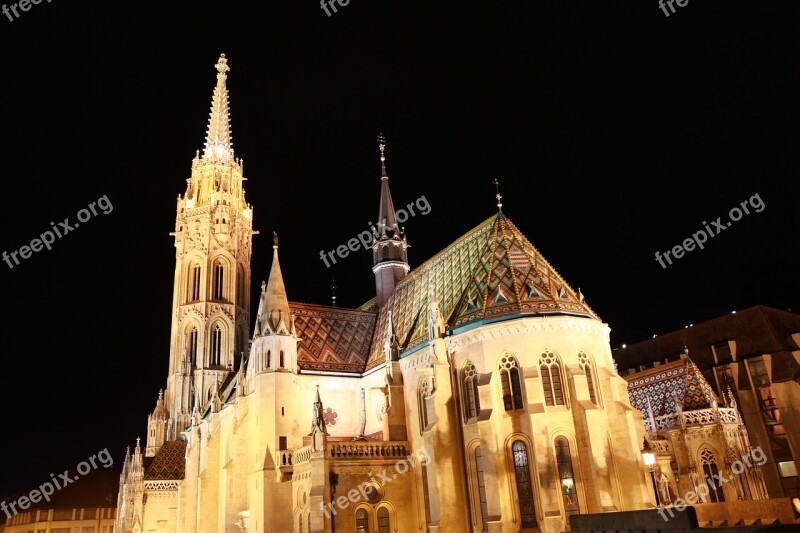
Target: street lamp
(649, 457)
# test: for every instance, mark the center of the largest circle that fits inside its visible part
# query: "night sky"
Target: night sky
(616, 132)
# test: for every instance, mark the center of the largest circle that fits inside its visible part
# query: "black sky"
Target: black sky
(614, 130)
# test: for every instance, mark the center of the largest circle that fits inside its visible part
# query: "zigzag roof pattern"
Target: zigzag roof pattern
(490, 273)
(667, 385)
(332, 339)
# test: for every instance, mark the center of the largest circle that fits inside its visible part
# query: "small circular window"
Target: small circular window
(373, 493)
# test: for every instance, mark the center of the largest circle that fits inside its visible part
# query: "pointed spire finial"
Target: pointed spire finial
(333, 288)
(382, 148)
(218, 136)
(498, 196)
(274, 239)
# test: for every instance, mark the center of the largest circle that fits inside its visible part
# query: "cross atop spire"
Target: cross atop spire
(218, 137)
(382, 147)
(498, 196)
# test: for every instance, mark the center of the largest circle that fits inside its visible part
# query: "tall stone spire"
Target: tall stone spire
(218, 138)
(390, 258)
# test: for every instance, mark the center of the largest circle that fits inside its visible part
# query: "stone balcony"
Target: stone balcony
(698, 417)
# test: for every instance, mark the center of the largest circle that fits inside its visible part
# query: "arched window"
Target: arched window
(583, 360)
(194, 283)
(281, 366)
(240, 296)
(509, 379)
(710, 470)
(191, 349)
(522, 475)
(426, 406)
(426, 495)
(469, 382)
(481, 488)
(566, 476)
(551, 379)
(362, 521)
(216, 346)
(384, 526)
(219, 281)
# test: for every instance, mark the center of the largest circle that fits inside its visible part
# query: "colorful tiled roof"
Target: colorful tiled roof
(332, 338)
(664, 386)
(492, 272)
(169, 462)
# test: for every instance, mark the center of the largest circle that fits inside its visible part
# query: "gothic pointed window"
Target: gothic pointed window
(511, 383)
(551, 379)
(216, 346)
(566, 476)
(469, 387)
(711, 475)
(219, 281)
(522, 476)
(362, 521)
(586, 365)
(191, 349)
(481, 488)
(194, 282)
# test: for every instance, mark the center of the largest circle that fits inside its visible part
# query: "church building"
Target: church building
(475, 392)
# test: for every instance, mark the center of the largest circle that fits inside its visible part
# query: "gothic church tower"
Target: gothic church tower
(210, 305)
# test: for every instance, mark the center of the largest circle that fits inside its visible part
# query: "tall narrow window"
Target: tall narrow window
(583, 359)
(216, 346)
(551, 379)
(566, 476)
(481, 489)
(524, 485)
(240, 300)
(383, 520)
(509, 380)
(362, 521)
(472, 401)
(192, 348)
(300, 522)
(426, 405)
(710, 473)
(426, 493)
(219, 281)
(194, 283)
(269, 358)
(281, 359)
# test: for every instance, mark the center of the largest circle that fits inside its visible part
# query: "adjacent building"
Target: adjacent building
(751, 360)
